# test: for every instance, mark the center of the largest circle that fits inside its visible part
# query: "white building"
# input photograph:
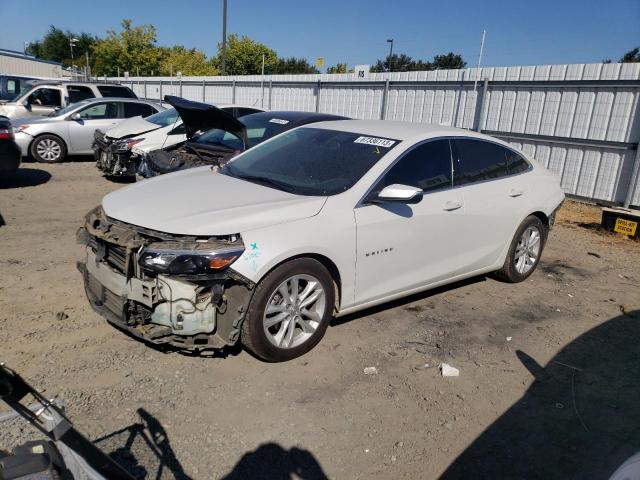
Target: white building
(17, 63)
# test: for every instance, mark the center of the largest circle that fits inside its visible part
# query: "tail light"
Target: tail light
(6, 134)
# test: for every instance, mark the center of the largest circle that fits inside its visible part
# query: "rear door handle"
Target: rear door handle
(451, 205)
(516, 192)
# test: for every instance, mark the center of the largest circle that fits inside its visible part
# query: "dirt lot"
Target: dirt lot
(548, 385)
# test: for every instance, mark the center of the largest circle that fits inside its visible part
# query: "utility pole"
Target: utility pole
(475, 83)
(262, 84)
(86, 56)
(390, 41)
(224, 36)
(72, 42)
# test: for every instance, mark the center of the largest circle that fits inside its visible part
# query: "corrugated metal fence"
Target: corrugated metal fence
(582, 121)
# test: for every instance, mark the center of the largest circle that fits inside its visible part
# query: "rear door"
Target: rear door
(400, 246)
(494, 196)
(100, 115)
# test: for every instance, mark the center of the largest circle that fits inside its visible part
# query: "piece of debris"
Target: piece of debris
(449, 371)
(570, 296)
(371, 371)
(594, 254)
(422, 366)
(61, 316)
(509, 339)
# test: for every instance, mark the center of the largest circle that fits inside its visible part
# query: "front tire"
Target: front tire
(525, 251)
(48, 149)
(289, 311)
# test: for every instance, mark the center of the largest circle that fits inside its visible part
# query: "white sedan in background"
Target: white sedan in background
(320, 221)
(70, 130)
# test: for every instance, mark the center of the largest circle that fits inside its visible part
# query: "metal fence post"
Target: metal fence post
(385, 94)
(233, 92)
(634, 178)
(160, 92)
(144, 86)
(318, 96)
(270, 92)
(180, 86)
(480, 117)
(204, 90)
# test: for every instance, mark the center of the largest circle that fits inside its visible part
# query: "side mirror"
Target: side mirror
(397, 193)
(26, 104)
(76, 117)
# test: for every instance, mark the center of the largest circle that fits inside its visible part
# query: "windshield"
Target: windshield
(260, 127)
(311, 161)
(164, 118)
(67, 109)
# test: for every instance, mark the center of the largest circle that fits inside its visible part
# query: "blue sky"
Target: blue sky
(355, 31)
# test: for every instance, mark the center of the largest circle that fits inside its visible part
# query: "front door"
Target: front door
(97, 115)
(400, 246)
(42, 101)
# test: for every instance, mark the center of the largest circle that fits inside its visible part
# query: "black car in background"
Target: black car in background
(9, 150)
(224, 138)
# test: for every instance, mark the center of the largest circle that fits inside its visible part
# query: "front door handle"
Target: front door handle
(516, 192)
(451, 205)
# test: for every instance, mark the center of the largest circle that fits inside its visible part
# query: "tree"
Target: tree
(632, 56)
(292, 65)
(133, 49)
(449, 61)
(187, 61)
(244, 56)
(338, 68)
(55, 46)
(404, 63)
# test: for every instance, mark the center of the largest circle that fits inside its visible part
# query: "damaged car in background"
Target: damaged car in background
(214, 136)
(117, 150)
(319, 221)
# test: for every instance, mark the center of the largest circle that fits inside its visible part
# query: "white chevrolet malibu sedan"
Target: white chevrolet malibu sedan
(318, 222)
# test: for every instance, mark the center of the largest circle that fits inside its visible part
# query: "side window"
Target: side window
(427, 166)
(12, 86)
(477, 160)
(137, 109)
(79, 92)
(100, 111)
(46, 97)
(516, 163)
(116, 91)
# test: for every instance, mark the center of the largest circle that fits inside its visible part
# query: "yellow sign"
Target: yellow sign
(626, 227)
(320, 62)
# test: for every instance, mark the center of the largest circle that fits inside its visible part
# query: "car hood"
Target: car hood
(32, 120)
(130, 128)
(198, 116)
(202, 202)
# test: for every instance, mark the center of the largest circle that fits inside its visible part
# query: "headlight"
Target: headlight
(20, 128)
(193, 258)
(125, 145)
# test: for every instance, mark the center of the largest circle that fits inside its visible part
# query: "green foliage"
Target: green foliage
(338, 68)
(632, 56)
(292, 65)
(244, 56)
(184, 60)
(404, 63)
(55, 46)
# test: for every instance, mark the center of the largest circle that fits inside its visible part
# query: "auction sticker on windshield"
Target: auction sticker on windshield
(279, 120)
(378, 142)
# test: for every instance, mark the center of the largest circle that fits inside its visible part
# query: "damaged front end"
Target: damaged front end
(114, 156)
(166, 289)
(189, 155)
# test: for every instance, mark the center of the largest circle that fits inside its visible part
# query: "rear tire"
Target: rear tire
(48, 149)
(524, 252)
(289, 311)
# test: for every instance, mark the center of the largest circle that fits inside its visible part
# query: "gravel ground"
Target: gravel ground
(548, 368)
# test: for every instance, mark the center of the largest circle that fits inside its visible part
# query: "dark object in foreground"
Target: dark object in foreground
(72, 454)
(621, 220)
(9, 151)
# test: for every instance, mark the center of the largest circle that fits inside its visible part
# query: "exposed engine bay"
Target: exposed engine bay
(164, 288)
(188, 155)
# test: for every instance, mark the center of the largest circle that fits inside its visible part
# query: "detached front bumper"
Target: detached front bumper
(175, 315)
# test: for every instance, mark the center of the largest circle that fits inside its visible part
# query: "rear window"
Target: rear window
(116, 91)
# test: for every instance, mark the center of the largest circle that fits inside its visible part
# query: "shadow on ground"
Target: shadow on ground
(24, 177)
(580, 419)
(144, 450)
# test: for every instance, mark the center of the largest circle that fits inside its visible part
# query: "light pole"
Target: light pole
(72, 43)
(224, 35)
(390, 42)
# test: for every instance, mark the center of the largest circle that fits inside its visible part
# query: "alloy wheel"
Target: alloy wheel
(294, 311)
(528, 250)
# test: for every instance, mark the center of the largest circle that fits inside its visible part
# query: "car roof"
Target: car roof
(297, 118)
(397, 130)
